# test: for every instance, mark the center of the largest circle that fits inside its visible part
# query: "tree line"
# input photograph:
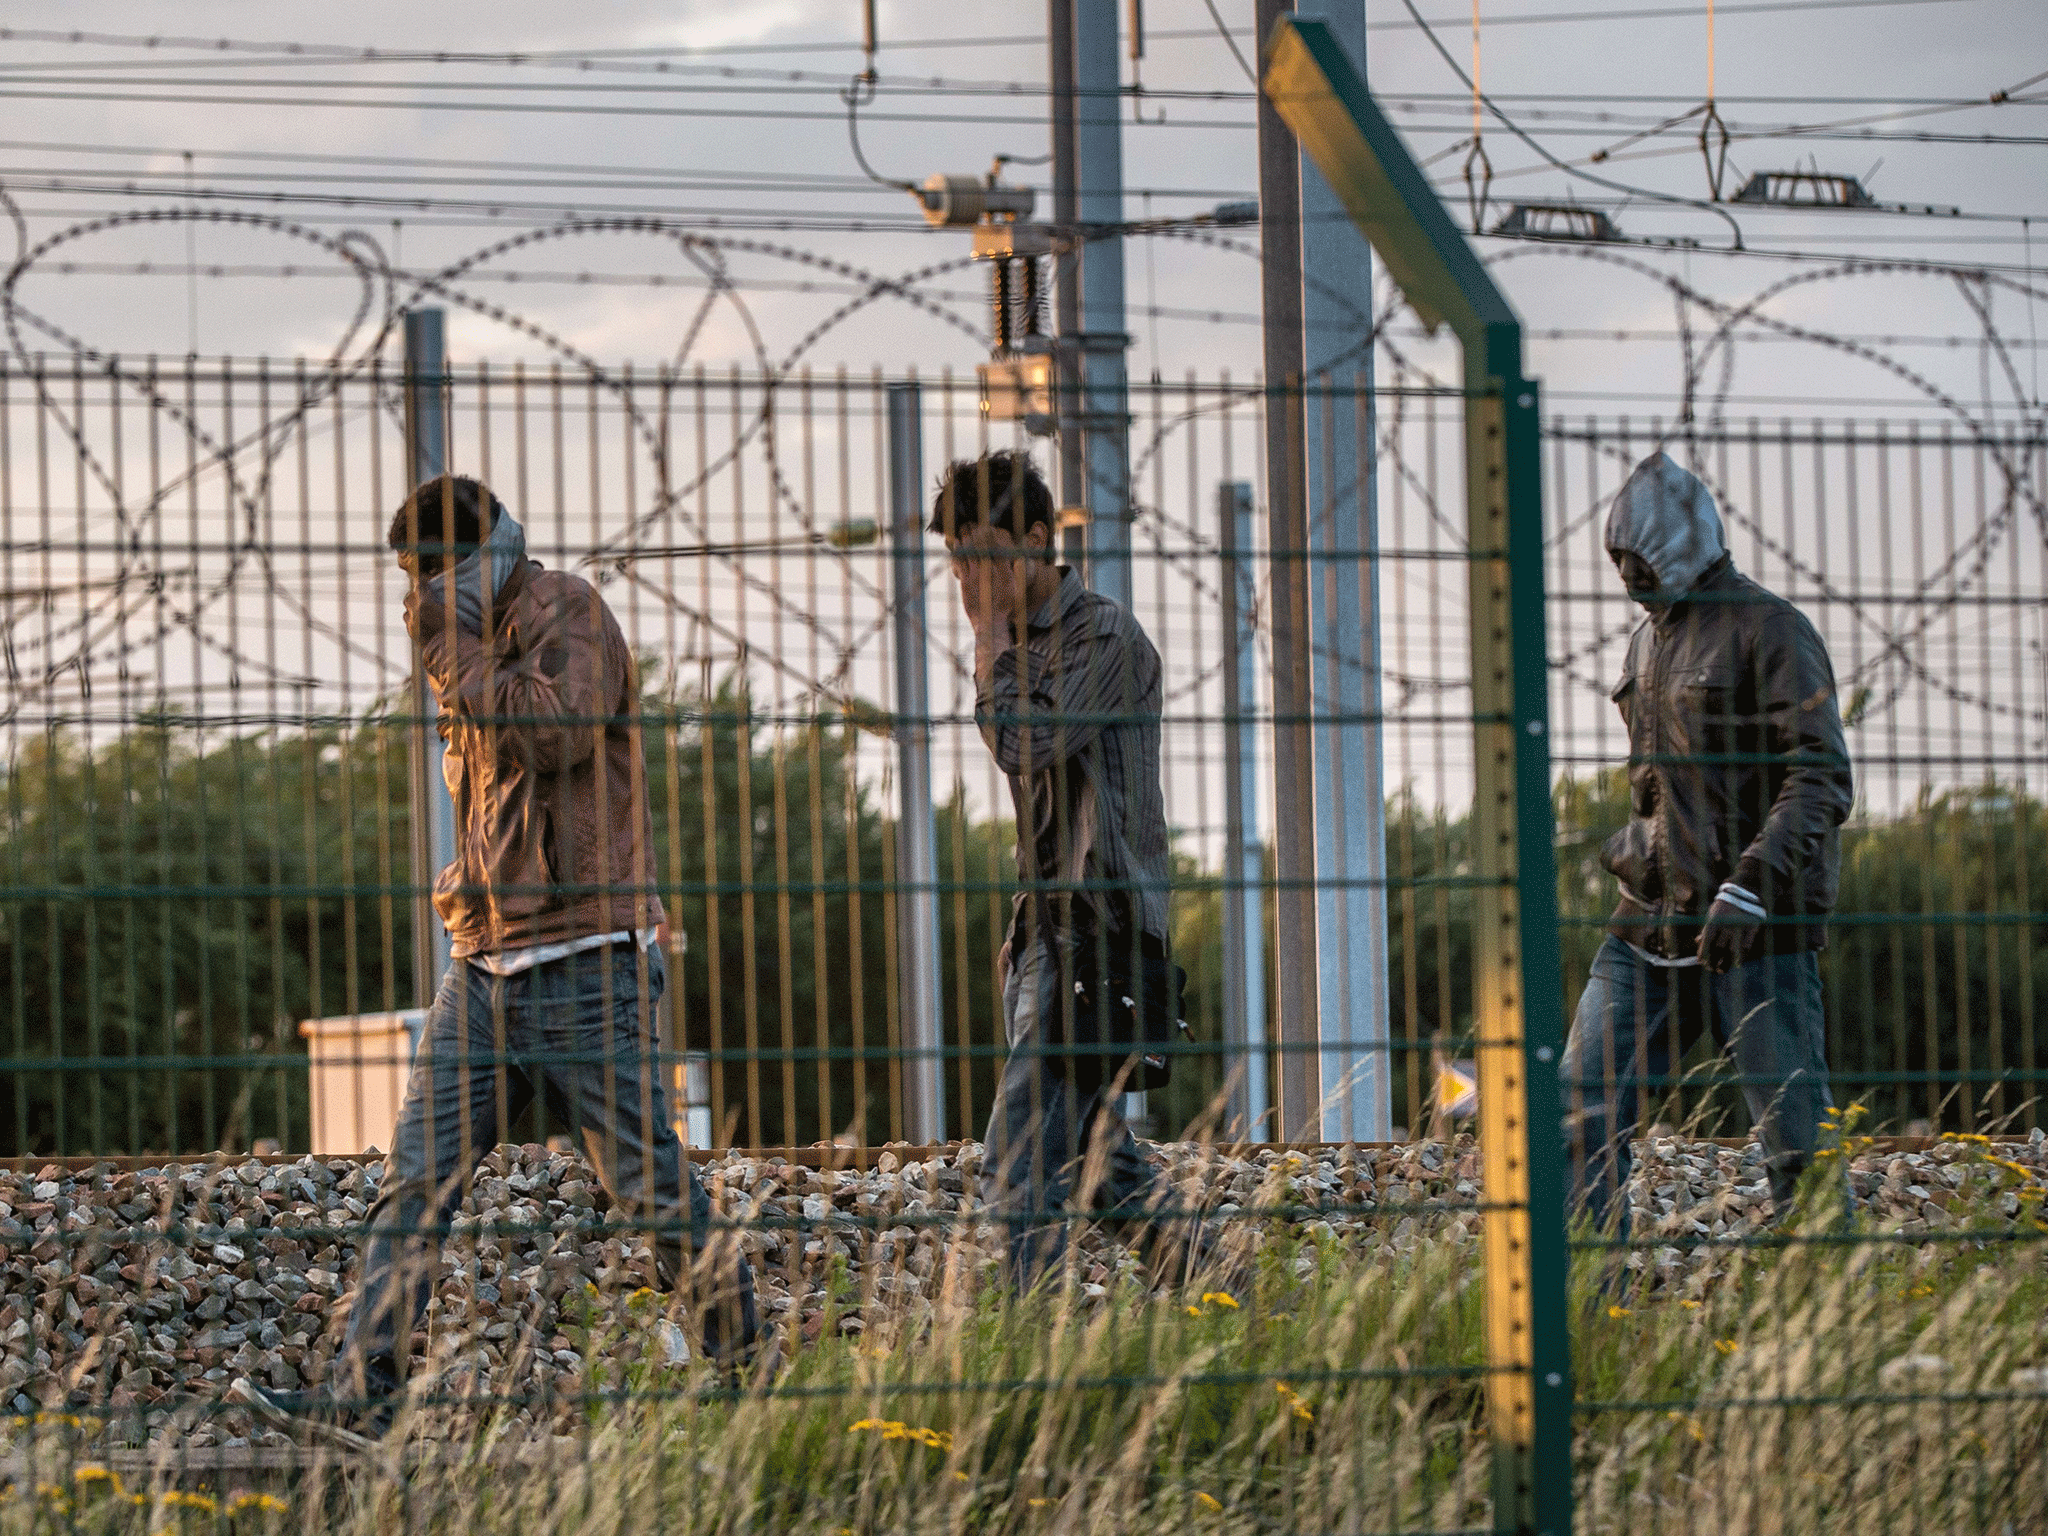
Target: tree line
(178, 900)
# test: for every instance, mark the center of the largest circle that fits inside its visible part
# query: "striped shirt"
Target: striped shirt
(1071, 715)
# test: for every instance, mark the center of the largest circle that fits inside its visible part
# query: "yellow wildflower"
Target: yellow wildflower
(1041, 1503)
(896, 1429)
(1194, 1311)
(1617, 1310)
(1292, 1399)
(1690, 1305)
(1726, 1346)
(1221, 1299)
(177, 1498)
(1692, 1425)
(263, 1503)
(92, 1473)
(1210, 1502)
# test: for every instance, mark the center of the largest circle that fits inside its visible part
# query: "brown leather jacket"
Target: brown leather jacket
(553, 836)
(1737, 769)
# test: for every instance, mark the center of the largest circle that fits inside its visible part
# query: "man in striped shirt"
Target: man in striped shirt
(1067, 697)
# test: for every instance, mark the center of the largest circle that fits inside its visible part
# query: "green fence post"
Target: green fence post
(1517, 1001)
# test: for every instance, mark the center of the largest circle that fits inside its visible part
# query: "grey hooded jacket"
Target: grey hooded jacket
(1738, 769)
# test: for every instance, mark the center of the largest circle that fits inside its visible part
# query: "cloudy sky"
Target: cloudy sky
(727, 116)
(424, 137)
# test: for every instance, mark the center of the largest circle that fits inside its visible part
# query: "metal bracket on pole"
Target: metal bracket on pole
(433, 811)
(917, 838)
(1518, 1003)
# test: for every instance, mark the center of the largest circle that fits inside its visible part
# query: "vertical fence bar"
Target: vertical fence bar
(433, 812)
(917, 863)
(1244, 913)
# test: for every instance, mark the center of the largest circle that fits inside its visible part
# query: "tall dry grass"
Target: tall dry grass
(1841, 1381)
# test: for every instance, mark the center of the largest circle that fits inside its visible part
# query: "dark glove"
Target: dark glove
(1730, 933)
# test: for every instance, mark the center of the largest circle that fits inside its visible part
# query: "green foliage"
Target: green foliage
(175, 899)
(1937, 962)
(182, 901)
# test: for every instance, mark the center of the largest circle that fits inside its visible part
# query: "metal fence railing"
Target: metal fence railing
(208, 823)
(808, 1203)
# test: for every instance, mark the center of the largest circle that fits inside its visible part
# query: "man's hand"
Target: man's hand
(1730, 931)
(986, 568)
(425, 612)
(989, 574)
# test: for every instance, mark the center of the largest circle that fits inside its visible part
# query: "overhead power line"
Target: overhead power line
(163, 41)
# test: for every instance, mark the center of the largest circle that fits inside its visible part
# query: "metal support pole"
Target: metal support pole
(1072, 483)
(1105, 388)
(1517, 986)
(1344, 646)
(1105, 393)
(433, 811)
(1244, 856)
(1294, 846)
(917, 838)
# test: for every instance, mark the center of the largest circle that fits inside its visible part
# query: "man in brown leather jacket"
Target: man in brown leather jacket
(1728, 867)
(551, 913)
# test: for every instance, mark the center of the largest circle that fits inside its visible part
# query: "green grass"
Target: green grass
(1334, 1390)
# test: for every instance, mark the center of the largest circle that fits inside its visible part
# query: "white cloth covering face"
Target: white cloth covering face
(500, 554)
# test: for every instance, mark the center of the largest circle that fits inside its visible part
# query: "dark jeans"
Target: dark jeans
(1635, 1020)
(580, 1030)
(1045, 1136)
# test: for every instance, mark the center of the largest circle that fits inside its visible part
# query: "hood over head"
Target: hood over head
(1667, 518)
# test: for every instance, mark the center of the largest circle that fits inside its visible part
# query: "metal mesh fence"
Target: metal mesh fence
(219, 823)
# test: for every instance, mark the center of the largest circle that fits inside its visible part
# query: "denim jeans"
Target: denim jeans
(580, 1031)
(1635, 1020)
(1044, 1135)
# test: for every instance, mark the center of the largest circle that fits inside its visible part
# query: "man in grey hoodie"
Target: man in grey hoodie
(1729, 865)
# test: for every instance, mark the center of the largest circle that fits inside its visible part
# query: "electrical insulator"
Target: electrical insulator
(967, 200)
(1032, 300)
(999, 302)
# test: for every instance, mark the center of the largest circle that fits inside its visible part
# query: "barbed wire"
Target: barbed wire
(113, 626)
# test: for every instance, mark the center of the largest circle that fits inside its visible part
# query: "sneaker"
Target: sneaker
(316, 1413)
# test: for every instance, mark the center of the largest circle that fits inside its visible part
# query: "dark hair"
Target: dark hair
(1003, 490)
(445, 516)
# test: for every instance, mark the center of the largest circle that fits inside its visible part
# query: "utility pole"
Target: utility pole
(1294, 839)
(1244, 908)
(917, 839)
(1102, 339)
(1344, 645)
(1099, 346)
(433, 811)
(1071, 483)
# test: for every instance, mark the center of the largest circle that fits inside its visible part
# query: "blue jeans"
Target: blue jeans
(581, 1032)
(1045, 1135)
(1635, 1020)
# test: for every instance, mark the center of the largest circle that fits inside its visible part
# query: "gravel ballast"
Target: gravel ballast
(149, 1290)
